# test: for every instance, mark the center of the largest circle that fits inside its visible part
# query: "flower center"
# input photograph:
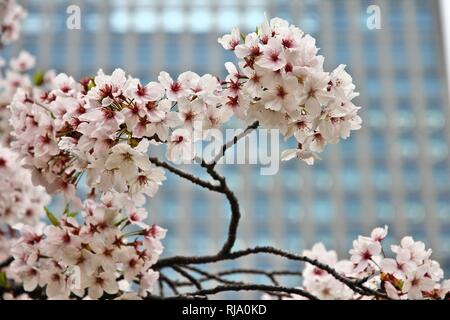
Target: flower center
(274, 56)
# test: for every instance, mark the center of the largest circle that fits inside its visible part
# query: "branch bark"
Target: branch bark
(184, 175)
(356, 286)
(6, 263)
(253, 287)
(226, 252)
(232, 142)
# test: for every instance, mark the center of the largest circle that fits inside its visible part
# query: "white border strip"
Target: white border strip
(445, 20)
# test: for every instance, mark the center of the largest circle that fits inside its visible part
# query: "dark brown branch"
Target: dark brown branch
(219, 275)
(170, 283)
(355, 286)
(6, 263)
(215, 277)
(161, 288)
(184, 175)
(221, 188)
(254, 287)
(232, 142)
(234, 207)
(226, 252)
(261, 272)
(211, 276)
(190, 278)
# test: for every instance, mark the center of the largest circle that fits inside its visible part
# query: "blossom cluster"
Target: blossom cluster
(104, 126)
(107, 250)
(11, 16)
(409, 274)
(20, 201)
(14, 75)
(98, 130)
(280, 81)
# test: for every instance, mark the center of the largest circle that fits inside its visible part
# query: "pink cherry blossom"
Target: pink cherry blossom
(23, 62)
(281, 80)
(378, 234)
(11, 16)
(273, 56)
(180, 146)
(364, 252)
(174, 89)
(417, 283)
(230, 41)
(89, 258)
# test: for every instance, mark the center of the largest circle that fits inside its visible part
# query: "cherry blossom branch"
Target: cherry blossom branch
(191, 279)
(233, 141)
(356, 286)
(219, 278)
(216, 277)
(221, 188)
(270, 274)
(210, 276)
(313, 106)
(161, 288)
(6, 263)
(170, 283)
(226, 252)
(184, 175)
(219, 275)
(253, 287)
(234, 207)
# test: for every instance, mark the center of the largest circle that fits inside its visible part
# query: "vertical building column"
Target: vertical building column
(46, 36)
(389, 102)
(74, 43)
(130, 39)
(416, 74)
(334, 160)
(102, 36)
(362, 137)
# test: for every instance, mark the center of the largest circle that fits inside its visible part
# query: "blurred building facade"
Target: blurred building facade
(394, 171)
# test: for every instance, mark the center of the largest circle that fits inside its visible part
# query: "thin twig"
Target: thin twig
(161, 288)
(170, 283)
(232, 142)
(6, 263)
(211, 276)
(184, 175)
(218, 276)
(253, 287)
(255, 271)
(191, 279)
(356, 287)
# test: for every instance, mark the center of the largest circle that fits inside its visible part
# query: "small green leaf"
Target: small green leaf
(242, 36)
(72, 214)
(66, 209)
(257, 30)
(38, 78)
(54, 221)
(3, 280)
(91, 84)
(120, 222)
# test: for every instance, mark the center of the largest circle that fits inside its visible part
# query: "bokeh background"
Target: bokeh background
(394, 171)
